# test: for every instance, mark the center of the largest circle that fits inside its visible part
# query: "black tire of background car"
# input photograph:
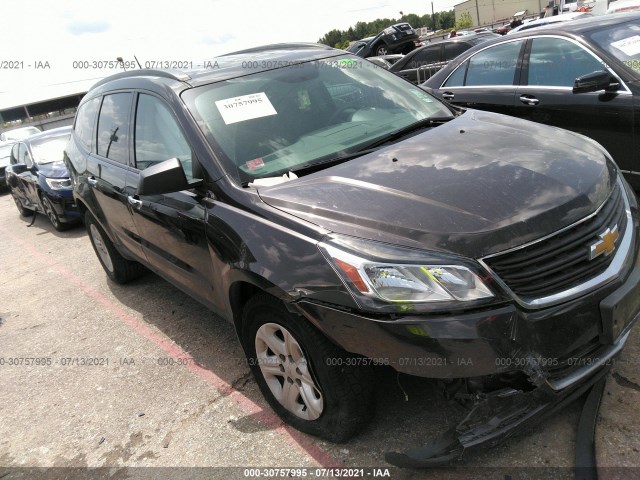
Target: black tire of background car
(50, 212)
(347, 389)
(25, 212)
(124, 270)
(382, 50)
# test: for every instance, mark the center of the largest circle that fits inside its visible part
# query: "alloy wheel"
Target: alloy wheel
(286, 371)
(101, 247)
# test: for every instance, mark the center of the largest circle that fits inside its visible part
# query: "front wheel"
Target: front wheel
(310, 383)
(51, 213)
(118, 268)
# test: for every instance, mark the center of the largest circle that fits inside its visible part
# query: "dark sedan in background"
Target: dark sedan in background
(38, 179)
(584, 76)
(423, 62)
(5, 155)
(398, 38)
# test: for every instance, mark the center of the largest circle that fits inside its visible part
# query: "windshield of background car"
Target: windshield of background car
(21, 133)
(274, 121)
(621, 40)
(49, 150)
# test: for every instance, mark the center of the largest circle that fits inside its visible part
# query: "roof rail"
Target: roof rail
(280, 46)
(145, 72)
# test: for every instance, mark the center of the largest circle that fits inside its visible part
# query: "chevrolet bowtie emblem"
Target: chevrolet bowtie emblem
(606, 244)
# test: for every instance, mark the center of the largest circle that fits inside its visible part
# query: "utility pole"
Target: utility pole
(477, 13)
(433, 18)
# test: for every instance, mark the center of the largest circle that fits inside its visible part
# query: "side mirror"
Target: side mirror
(19, 168)
(165, 177)
(595, 81)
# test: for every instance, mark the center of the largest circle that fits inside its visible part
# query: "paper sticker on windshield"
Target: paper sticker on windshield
(246, 107)
(629, 46)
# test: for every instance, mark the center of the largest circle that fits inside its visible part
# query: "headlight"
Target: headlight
(400, 275)
(59, 183)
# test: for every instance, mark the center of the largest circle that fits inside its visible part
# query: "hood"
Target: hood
(53, 170)
(479, 184)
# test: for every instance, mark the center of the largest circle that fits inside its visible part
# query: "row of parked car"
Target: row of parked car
(341, 217)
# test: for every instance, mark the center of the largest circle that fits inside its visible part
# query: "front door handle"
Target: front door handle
(529, 100)
(134, 202)
(448, 96)
(92, 181)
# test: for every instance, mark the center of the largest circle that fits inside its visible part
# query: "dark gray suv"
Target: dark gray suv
(341, 218)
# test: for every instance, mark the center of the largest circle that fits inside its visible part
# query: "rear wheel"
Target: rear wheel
(25, 212)
(118, 268)
(382, 50)
(311, 384)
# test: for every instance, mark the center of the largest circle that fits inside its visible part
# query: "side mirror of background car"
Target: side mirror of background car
(165, 177)
(19, 168)
(594, 81)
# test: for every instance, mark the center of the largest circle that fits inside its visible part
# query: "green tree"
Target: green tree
(464, 21)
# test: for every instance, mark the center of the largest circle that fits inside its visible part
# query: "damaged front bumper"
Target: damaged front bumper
(500, 414)
(521, 365)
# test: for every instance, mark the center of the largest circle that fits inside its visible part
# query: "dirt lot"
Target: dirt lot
(143, 376)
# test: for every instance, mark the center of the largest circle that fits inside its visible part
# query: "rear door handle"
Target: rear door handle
(448, 96)
(529, 100)
(134, 202)
(92, 181)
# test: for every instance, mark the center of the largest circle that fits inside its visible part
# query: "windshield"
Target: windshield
(274, 121)
(622, 40)
(49, 150)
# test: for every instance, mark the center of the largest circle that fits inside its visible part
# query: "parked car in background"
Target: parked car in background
(398, 38)
(583, 76)
(5, 157)
(339, 216)
(420, 64)
(620, 6)
(385, 61)
(541, 22)
(38, 179)
(17, 134)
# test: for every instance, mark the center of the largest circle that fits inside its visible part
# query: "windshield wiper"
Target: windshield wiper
(420, 124)
(313, 166)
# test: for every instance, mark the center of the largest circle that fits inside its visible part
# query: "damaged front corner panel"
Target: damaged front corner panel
(494, 417)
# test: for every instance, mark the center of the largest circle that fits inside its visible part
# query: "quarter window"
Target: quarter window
(85, 121)
(495, 65)
(113, 127)
(158, 136)
(557, 62)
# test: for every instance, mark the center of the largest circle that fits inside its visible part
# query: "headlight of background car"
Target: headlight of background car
(383, 274)
(59, 183)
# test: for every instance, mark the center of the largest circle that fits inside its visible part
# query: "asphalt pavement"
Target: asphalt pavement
(141, 381)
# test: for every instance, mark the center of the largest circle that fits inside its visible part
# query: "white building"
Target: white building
(485, 12)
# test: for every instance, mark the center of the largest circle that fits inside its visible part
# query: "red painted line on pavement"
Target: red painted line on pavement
(266, 417)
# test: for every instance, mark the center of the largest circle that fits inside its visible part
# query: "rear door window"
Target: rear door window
(495, 65)
(113, 127)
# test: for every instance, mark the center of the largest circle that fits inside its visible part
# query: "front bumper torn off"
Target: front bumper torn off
(498, 415)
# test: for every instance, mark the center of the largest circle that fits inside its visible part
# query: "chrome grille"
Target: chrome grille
(561, 261)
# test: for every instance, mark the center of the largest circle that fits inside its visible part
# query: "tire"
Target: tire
(25, 212)
(50, 212)
(328, 396)
(382, 50)
(118, 268)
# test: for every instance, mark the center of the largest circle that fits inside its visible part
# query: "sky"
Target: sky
(50, 42)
